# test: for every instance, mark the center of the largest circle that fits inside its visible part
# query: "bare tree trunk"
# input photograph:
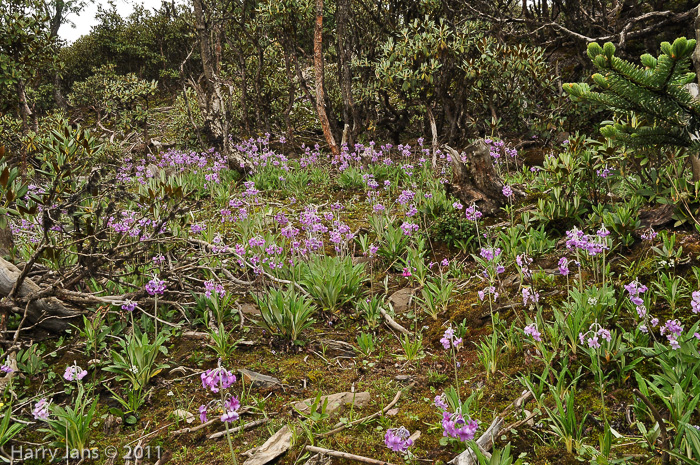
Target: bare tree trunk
(433, 132)
(24, 110)
(694, 158)
(318, 74)
(475, 179)
(344, 57)
(212, 103)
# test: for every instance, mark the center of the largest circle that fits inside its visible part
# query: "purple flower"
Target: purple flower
(74, 373)
(440, 402)
(445, 262)
(531, 330)
(489, 253)
(530, 296)
(129, 306)
(507, 191)
(672, 329)
(450, 340)
(41, 410)
(231, 405)
(472, 213)
(203, 413)
(649, 235)
(457, 205)
(211, 287)
(695, 303)
(6, 368)
(398, 439)
(217, 378)
(454, 425)
(197, 228)
(409, 228)
(635, 289)
(155, 286)
(564, 266)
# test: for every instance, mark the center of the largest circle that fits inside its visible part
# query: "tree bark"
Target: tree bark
(345, 57)
(24, 110)
(434, 134)
(212, 103)
(694, 158)
(475, 179)
(318, 74)
(48, 313)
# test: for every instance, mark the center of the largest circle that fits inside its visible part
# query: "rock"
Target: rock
(258, 380)
(401, 299)
(334, 347)
(335, 402)
(250, 309)
(278, 444)
(392, 413)
(402, 378)
(182, 414)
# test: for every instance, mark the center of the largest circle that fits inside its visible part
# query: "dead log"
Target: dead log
(474, 178)
(47, 313)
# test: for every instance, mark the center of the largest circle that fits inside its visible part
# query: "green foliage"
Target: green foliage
(8, 429)
(332, 281)
(69, 427)
(136, 363)
(122, 99)
(285, 313)
(653, 94)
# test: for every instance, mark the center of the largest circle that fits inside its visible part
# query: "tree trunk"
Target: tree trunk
(344, 57)
(474, 178)
(694, 158)
(24, 110)
(212, 103)
(48, 313)
(57, 93)
(434, 134)
(318, 75)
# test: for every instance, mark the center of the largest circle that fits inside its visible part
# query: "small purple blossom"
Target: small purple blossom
(203, 413)
(155, 286)
(74, 373)
(531, 330)
(129, 306)
(41, 410)
(217, 378)
(398, 439)
(507, 191)
(450, 339)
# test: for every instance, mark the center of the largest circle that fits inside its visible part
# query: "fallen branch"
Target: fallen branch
(342, 426)
(345, 455)
(250, 425)
(391, 323)
(485, 442)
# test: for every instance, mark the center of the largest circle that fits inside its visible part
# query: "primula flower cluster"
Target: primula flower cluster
(531, 330)
(74, 373)
(398, 439)
(453, 424)
(155, 286)
(576, 239)
(450, 339)
(41, 410)
(217, 378)
(591, 337)
(672, 330)
(211, 287)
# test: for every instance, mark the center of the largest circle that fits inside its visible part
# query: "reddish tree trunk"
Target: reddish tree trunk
(318, 74)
